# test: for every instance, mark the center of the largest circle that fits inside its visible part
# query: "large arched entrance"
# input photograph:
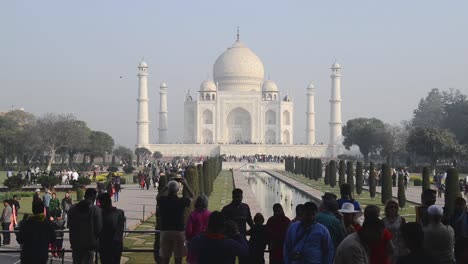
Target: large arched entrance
(239, 126)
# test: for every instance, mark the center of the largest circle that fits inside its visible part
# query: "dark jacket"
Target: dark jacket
(217, 249)
(85, 224)
(35, 234)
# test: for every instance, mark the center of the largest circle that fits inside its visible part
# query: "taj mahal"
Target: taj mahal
(239, 113)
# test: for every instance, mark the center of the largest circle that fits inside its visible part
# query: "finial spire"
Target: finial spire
(238, 35)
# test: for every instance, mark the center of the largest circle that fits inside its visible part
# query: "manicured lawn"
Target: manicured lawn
(220, 197)
(26, 202)
(408, 212)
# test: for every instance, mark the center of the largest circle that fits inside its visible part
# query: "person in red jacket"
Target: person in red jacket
(276, 229)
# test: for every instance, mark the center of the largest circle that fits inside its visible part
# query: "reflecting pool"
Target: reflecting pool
(268, 190)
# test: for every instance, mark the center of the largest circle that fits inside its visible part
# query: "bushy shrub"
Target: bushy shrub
(112, 169)
(128, 169)
(123, 180)
(15, 183)
(49, 182)
(81, 182)
(332, 173)
(359, 177)
(341, 172)
(401, 191)
(417, 182)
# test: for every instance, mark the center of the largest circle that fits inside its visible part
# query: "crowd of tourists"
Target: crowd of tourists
(337, 231)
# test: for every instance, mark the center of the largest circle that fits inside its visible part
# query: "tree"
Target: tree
(426, 182)
(56, 132)
(100, 143)
(326, 180)
(366, 133)
(386, 192)
(452, 191)
(430, 111)
(341, 172)
(125, 154)
(157, 155)
(401, 190)
(372, 180)
(332, 172)
(191, 175)
(350, 174)
(359, 177)
(200, 179)
(394, 142)
(318, 169)
(432, 143)
(141, 152)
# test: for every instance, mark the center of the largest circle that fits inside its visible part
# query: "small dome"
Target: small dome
(143, 64)
(208, 86)
(336, 65)
(163, 85)
(269, 86)
(311, 86)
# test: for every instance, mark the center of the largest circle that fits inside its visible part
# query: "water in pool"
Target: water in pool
(268, 190)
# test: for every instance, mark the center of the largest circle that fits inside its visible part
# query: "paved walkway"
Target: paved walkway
(137, 205)
(249, 198)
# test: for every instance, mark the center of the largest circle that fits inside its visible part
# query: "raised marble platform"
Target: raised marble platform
(241, 149)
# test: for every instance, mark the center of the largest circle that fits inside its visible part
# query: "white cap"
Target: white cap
(435, 210)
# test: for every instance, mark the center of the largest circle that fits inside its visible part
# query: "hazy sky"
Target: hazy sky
(68, 56)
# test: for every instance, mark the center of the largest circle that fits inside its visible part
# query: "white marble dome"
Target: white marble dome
(269, 86)
(143, 64)
(208, 86)
(238, 69)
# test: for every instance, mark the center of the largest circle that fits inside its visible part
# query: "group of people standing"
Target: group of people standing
(338, 231)
(92, 228)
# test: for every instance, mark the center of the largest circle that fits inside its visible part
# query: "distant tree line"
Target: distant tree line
(437, 131)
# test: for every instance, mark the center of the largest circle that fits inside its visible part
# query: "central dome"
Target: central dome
(238, 69)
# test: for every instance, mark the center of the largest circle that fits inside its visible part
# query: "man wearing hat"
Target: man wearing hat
(327, 217)
(350, 216)
(439, 239)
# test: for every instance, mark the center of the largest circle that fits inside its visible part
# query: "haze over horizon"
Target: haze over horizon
(66, 57)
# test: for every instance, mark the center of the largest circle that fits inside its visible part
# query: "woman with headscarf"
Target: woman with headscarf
(393, 222)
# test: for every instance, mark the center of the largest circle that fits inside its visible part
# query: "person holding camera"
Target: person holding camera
(308, 241)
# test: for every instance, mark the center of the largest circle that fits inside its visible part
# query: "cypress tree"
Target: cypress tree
(200, 179)
(386, 183)
(359, 177)
(350, 174)
(426, 181)
(372, 181)
(162, 182)
(341, 172)
(318, 168)
(401, 190)
(311, 168)
(296, 165)
(206, 178)
(191, 175)
(307, 168)
(326, 180)
(452, 191)
(332, 173)
(303, 166)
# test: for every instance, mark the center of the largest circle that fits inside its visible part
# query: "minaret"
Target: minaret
(310, 130)
(163, 113)
(143, 119)
(335, 110)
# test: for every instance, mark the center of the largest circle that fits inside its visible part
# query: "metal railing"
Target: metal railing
(96, 257)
